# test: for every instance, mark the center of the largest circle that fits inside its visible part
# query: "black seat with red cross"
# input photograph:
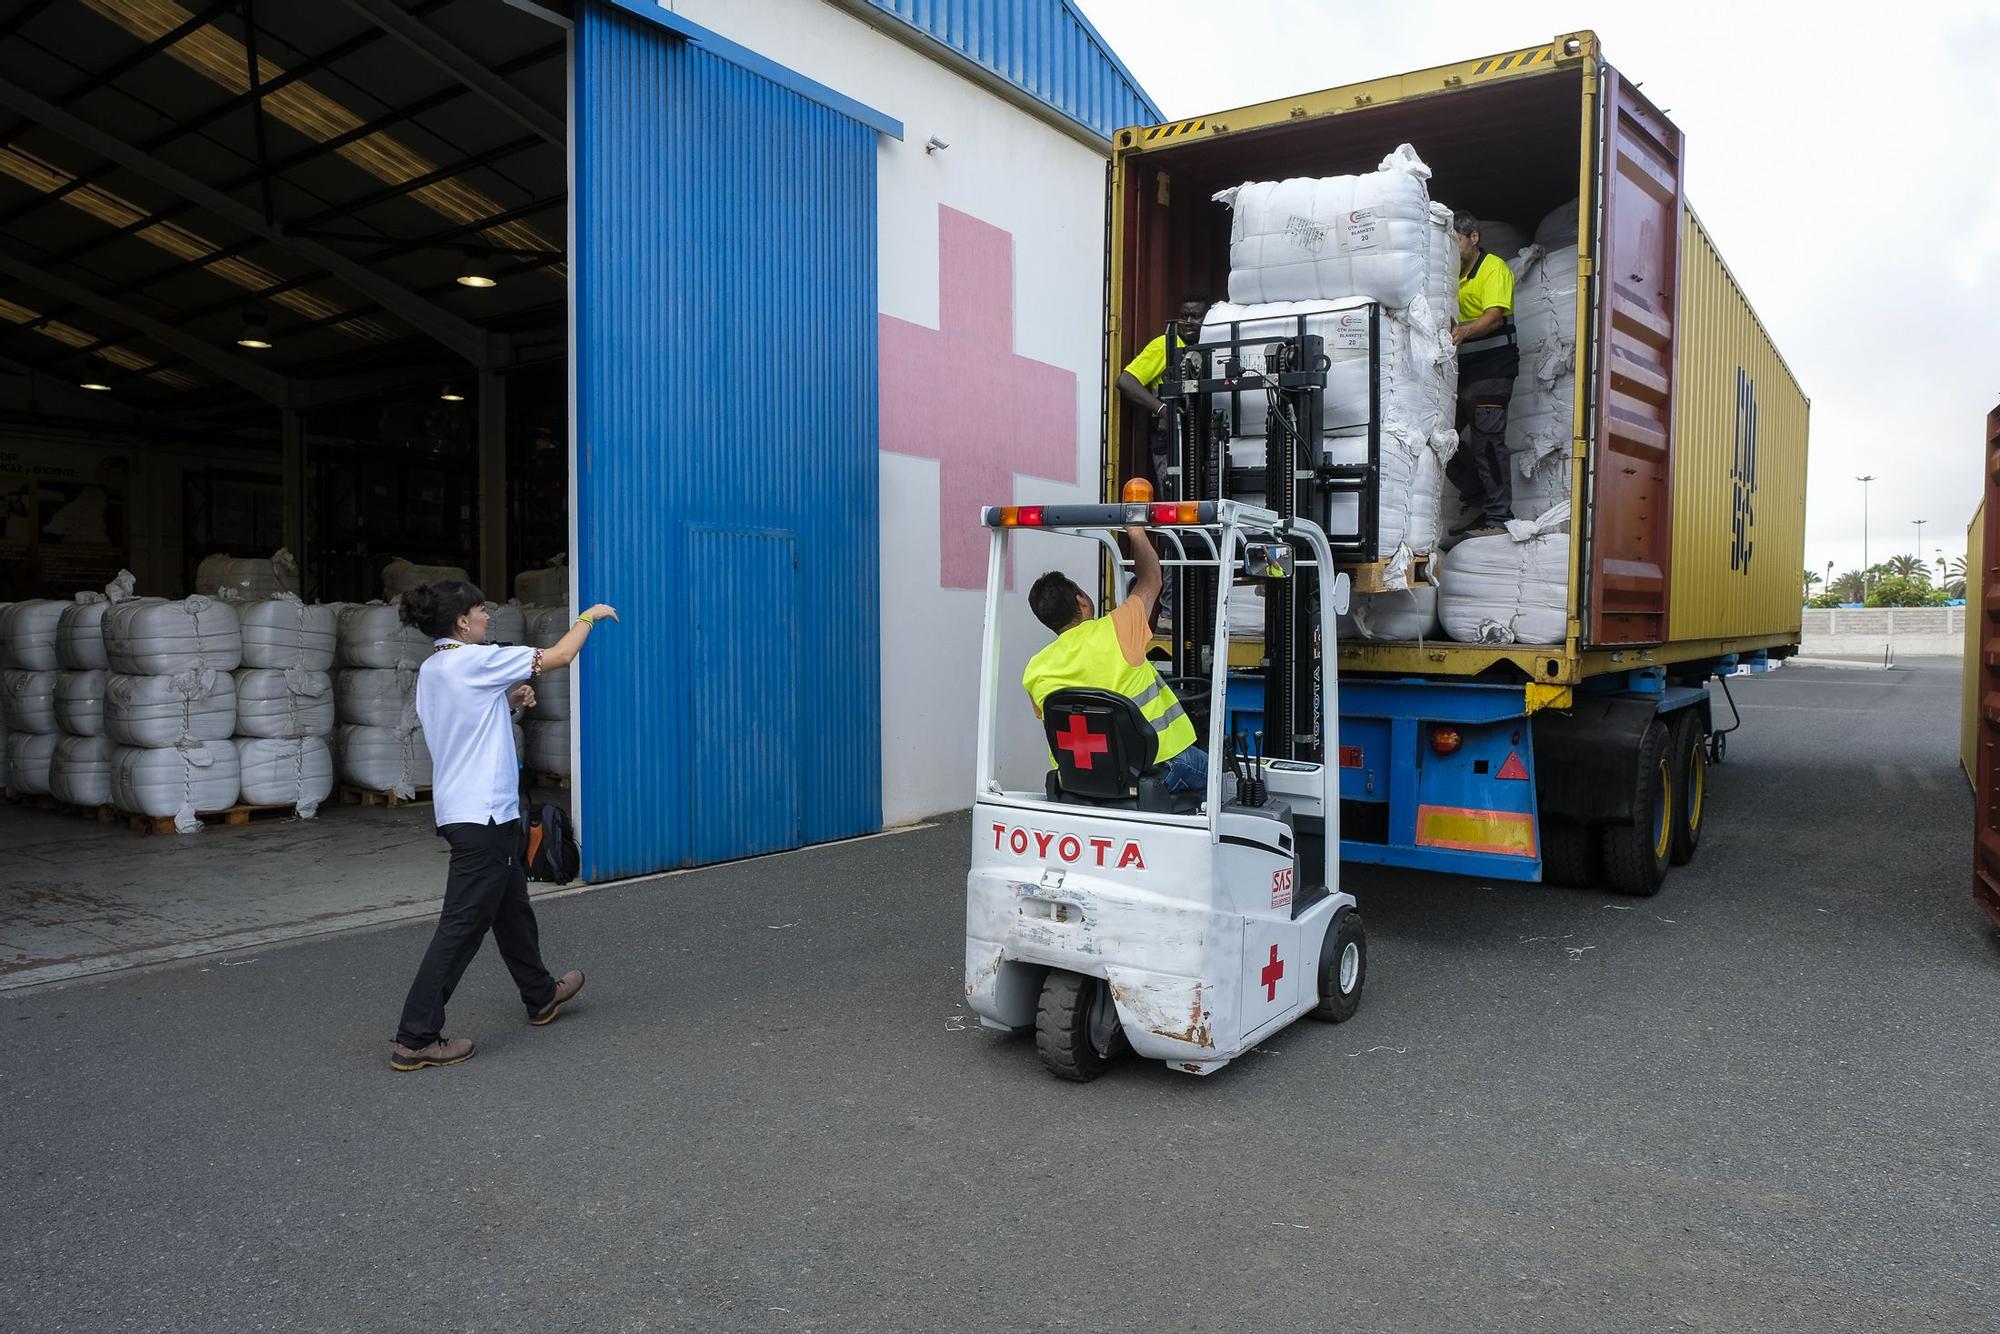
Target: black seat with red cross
(1105, 753)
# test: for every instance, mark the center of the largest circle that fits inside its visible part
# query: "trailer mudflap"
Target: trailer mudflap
(1588, 754)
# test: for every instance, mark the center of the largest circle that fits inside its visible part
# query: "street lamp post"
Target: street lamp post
(1920, 536)
(1864, 533)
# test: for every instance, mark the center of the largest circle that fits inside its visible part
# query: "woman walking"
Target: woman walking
(466, 692)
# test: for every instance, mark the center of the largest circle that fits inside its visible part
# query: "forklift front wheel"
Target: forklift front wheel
(1343, 969)
(1077, 1033)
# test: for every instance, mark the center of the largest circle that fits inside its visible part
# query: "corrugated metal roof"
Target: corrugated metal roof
(727, 501)
(1046, 48)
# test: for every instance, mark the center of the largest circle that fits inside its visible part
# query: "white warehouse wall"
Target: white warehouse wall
(1010, 219)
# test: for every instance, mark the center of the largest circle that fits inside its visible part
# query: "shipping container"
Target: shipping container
(1580, 762)
(1690, 455)
(1982, 627)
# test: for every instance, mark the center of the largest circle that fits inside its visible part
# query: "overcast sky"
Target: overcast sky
(1849, 174)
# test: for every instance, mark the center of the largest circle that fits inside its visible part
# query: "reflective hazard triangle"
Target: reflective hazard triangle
(1513, 768)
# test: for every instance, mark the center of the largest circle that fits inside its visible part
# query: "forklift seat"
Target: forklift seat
(1104, 748)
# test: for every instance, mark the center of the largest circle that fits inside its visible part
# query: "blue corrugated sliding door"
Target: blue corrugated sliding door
(725, 470)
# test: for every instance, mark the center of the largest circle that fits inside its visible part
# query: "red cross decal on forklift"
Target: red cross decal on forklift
(1272, 972)
(1081, 742)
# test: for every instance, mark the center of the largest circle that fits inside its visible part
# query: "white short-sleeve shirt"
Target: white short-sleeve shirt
(462, 703)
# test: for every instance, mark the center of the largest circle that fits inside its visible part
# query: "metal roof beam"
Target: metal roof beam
(434, 47)
(466, 339)
(267, 385)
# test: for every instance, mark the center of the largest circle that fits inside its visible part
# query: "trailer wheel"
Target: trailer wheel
(1077, 1033)
(1636, 856)
(1690, 785)
(1570, 852)
(1343, 969)
(1718, 746)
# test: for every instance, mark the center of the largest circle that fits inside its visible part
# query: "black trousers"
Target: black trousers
(1163, 459)
(485, 890)
(1479, 468)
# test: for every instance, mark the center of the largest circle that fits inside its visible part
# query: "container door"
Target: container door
(1982, 585)
(1637, 273)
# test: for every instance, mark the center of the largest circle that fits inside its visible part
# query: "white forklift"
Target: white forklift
(1109, 914)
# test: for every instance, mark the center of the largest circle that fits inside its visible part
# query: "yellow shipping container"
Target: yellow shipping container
(1975, 616)
(1690, 446)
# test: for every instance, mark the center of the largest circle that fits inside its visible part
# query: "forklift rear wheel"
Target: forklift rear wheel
(1690, 784)
(1343, 969)
(1569, 852)
(1636, 855)
(1077, 1033)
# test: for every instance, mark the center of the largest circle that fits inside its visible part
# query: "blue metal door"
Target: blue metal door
(724, 315)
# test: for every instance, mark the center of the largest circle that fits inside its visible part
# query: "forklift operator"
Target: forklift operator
(1109, 653)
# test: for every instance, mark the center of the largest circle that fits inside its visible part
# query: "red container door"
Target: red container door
(1637, 268)
(1986, 766)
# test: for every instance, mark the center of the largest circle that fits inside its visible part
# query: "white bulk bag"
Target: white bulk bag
(80, 772)
(1441, 289)
(372, 634)
(1502, 238)
(152, 637)
(284, 704)
(547, 586)
(1304, 239)
(1509, 589)
(159, 710)
(28, 701)
(545, 627)
(80, 702)
(376, 696)
(285, 631)
(1559, 227)
(28, 757)
(383, 759)
(1539, 433)
(1402, 616)
(400, 576)
(547, 747)
(506, 623)
(247, 579)
(28, 634)
(289, 772)
(80, 634)
(178, 781)
(1545, 283)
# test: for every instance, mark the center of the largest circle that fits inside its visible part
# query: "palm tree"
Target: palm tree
(1848, 587)
(1908, 567)
(1951, 576)
(1812, 577)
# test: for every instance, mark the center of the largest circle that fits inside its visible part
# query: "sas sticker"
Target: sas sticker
(1281, 888)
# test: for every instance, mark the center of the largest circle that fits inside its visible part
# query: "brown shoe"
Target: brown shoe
(568, 986)
(445, 1051)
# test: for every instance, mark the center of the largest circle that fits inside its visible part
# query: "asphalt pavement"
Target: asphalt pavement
(1764, 1100)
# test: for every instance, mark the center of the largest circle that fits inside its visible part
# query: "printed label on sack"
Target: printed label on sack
(1304, 233)
(1350, 331)
(1364, 229)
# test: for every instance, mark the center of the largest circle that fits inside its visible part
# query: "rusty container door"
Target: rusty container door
(1637, 274)
(1986, 770)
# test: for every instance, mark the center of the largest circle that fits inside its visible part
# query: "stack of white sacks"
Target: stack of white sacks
(80, 772)
(285, 703)
(543, 593)
(1514, 588)
(381, 742)
(27, 692)
(247, 579)
(1327, 248)
(170, 706)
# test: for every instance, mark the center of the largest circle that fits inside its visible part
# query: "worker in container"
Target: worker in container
(1093, 652)
(466, 691)
(1139, 383)
(1487, 362)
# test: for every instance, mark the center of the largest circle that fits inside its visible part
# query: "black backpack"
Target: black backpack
(551, 854)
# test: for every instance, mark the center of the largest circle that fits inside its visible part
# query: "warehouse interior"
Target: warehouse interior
(280, 276)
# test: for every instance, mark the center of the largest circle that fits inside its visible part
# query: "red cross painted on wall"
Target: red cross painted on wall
(1081, 742)
(1272, 972)
(961, 395)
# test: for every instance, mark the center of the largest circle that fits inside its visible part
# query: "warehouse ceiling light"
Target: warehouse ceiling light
(451, 393)
(477, 270)
(95, 387)
(256, 331)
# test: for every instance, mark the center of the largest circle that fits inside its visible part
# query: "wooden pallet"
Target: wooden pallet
(235, 817)
(1370, 578)
(351, 795)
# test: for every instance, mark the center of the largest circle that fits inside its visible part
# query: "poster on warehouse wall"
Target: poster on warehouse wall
(63, 519)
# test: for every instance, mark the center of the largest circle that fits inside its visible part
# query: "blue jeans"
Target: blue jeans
(1187, 771)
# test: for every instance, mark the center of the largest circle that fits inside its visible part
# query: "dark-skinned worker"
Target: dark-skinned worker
(1487, 362)
(1139, 384)
(1095, 652)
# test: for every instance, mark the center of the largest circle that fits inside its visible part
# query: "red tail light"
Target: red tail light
(1445, 740)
